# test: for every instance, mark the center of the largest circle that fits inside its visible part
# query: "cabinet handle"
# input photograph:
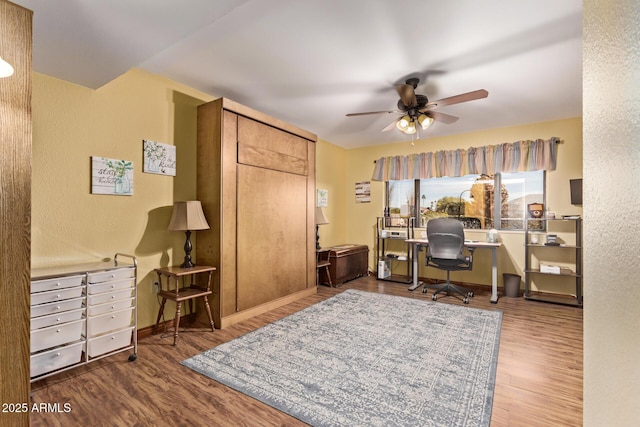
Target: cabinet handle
(57, 331)
(58, 319)
(57, 307)
(113, 338)
(58, 284)
(113, 317)
(58, 354)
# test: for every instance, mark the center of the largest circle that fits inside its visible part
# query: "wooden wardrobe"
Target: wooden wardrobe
(256, 182)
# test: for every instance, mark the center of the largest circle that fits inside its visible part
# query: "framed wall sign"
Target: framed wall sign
(159, 158)
(363, 192)
(111, 176)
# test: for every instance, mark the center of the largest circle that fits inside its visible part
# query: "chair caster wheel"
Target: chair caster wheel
(424, 290)
(132, 357)
(434, 297)
(465, 300)
(470, 294)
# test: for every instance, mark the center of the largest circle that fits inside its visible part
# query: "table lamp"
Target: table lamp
(320, 220)
(187, 217)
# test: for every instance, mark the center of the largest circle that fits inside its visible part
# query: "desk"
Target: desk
(184, 292)
(417, 243)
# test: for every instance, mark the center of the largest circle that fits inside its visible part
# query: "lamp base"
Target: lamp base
(187, 252)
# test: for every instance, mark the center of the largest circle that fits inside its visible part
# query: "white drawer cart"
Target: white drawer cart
(81, 313)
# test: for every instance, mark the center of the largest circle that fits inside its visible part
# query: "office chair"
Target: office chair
(446, 242)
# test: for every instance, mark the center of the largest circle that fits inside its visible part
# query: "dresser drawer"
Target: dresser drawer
(105, 276)
(109, 322)
(110, 296)
(110, 286)
(58, 295)
(56, 307)
(56, 335)
(56, 319)
(96, 310)
(56, 283)
(111, 342)
(57, 358)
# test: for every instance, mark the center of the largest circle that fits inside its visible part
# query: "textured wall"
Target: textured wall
(611, 205)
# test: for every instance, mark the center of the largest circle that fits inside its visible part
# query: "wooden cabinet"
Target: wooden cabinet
(348, 262)
(256, 182)
(80, 313)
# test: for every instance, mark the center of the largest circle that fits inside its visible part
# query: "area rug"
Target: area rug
(367, 359)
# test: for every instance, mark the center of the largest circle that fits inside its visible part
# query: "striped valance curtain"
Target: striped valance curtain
(517, 156)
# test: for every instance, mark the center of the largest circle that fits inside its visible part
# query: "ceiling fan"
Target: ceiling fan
(417, 110)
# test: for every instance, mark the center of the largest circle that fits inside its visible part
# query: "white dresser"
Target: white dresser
(81, 313)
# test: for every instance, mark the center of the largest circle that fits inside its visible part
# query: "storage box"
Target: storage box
(553, 269)
(348, 262)
(383, 269)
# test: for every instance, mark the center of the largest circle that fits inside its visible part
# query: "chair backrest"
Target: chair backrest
(446, 241)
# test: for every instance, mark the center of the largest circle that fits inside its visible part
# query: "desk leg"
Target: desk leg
(494, 276)
(416, 283)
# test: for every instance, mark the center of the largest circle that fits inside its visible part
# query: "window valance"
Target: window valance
(517, 156)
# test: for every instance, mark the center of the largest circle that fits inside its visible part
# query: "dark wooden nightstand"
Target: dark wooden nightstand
(181, 291)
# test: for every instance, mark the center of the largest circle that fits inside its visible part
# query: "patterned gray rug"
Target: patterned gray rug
(368, 359)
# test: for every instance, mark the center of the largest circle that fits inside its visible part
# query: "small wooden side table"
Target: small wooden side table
(182, 291)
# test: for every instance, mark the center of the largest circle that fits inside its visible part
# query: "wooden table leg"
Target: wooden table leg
(176, 321)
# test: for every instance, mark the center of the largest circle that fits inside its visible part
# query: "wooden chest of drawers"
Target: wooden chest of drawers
(348, 261)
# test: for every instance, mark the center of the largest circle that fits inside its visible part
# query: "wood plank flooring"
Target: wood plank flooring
(539, 376)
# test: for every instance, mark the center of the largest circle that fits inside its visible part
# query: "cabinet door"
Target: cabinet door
(272, 235)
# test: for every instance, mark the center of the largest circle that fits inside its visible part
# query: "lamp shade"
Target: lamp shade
(320, 217)
(188, 216)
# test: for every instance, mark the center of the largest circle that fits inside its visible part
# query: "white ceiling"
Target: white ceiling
(309, 62)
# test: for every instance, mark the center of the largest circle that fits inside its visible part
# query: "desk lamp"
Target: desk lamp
(320, 220)
(187, 217)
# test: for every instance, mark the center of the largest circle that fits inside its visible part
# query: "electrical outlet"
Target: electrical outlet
(156, 287)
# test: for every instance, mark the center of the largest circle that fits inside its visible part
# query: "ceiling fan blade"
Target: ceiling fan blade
(372, 112)
(465, 97)
(442, 117)
(391, 125)
(407, 95)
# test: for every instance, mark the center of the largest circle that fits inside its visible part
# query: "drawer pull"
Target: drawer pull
(113, 338)
(58, 284)
(113, 317)
(57, 354)
(57, 307)
(112, 307)
(57, 319)
(58, 296)
(113, 286)
(57, 331)
(113, 276)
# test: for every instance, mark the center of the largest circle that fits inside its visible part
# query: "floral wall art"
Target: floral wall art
(159, 158)
(111, 176)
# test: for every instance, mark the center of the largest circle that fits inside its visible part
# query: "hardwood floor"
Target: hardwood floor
(538, 383)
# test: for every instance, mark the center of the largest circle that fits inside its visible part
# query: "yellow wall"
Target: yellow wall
(72, 123)
(331, 169)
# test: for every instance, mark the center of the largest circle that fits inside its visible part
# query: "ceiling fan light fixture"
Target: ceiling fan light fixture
(425, 121)
(411, 128)
(403, 123)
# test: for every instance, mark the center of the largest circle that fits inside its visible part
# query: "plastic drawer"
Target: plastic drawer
(56, 319)
(57, 295)
(56, 307)
(56, 283)
(56, 335)
(104, 276)
(109, 343)
(58, 358)
(96, 310)
(109, 322)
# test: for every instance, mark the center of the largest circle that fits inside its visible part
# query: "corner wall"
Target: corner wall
(72, 123)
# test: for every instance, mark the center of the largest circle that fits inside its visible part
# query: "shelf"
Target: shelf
(542, 245)
(555, 299)
(564, 272)
(398, 279)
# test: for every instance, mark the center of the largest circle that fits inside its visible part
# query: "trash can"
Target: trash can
(511, 285)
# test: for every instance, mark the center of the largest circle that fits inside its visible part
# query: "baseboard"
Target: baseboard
(147, 331)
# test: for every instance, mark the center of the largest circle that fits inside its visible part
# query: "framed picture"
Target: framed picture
(323, 198)
(159, 158)
(363, 192)
(111, 176)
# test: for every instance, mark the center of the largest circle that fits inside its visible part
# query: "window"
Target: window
(472, 199)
